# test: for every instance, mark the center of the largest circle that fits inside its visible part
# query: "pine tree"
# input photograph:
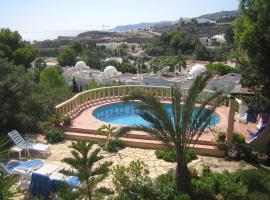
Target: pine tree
(82, 161)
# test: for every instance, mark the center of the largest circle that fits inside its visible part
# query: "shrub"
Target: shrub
(44, 126)
(133, 181)
(54, 135)
(170, 156)
(255, 180)
(183, 196)
(167, 155)
(204, 188)
(66, 121)
(206, 169)
(221, 136)
(244, 152)
(164, 185)
(55, 119)
(221, 69)
(238, 138)
(191, 154)
(113, 145)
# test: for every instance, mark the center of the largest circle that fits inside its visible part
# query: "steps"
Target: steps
(145, 141)
(132, 134)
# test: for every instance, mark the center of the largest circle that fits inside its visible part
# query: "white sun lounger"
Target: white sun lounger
(47, 169)
(28, 145)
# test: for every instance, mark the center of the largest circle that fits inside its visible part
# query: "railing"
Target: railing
(106, 93)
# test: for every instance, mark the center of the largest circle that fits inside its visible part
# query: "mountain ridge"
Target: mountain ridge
(143, 25)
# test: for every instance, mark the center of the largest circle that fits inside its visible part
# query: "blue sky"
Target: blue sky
(60, 15)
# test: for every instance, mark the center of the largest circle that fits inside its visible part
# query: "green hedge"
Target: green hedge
(170, 156)
(221, 69)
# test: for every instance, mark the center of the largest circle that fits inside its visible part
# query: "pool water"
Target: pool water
(126, 114)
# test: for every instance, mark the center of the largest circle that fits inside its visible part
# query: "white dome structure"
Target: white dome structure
(111, 71)
(196, 70)
(220, 39)
(81, 65)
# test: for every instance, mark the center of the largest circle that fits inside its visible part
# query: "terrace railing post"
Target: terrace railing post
(230, 127)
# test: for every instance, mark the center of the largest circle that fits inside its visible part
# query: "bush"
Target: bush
(238, 138)
(244, 152)
(54, 119)
(167, 155)
(170, 156)
(54, 135)
(206, 169)
(183, 196)
(44, 126)
(221, 136)
(164, 185)
(66, 121)
(113, 145)
(221, 69)
(204, 188)
(246, 184)
(133, 181)
(191, 155)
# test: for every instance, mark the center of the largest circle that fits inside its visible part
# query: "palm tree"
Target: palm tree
(82, 161)
(108, 131)
(178, 129)
(7, 182)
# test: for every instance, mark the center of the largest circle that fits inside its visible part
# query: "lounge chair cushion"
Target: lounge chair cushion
(29, 165)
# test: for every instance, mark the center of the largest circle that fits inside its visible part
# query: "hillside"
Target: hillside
(123, 28)
(216, 15)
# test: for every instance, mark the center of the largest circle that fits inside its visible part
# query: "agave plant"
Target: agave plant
(179, 129)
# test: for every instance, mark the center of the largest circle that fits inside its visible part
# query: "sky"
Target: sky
(51, 17)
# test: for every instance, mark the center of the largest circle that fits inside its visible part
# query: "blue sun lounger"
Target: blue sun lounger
(26, 166)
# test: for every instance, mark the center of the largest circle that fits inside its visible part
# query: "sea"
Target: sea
(49, 35)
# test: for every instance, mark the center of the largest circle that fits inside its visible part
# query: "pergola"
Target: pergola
(261, 143)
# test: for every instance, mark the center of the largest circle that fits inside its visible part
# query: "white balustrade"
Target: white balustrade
(92, 96)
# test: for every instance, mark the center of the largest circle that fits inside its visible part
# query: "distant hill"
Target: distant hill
(216, 15)
(143, 25)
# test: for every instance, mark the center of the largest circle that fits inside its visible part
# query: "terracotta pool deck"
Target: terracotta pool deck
(85, 122)
(84, 126)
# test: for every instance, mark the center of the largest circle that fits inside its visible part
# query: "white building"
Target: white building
(196, 70)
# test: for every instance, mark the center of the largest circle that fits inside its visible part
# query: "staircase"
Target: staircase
(142, 140)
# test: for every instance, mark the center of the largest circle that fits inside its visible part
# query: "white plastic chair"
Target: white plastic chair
(28, 145)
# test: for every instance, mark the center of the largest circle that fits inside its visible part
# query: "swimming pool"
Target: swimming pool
(126, 114)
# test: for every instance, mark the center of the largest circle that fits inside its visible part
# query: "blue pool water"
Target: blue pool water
(127, 114)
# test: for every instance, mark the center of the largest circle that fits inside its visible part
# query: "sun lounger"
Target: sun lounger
(47, 169)
(256, 133)
(15, 166)
(28, 145)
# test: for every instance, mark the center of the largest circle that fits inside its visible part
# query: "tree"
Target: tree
(182, 64)
(67, 57)
(52, 77)
(202, 53)
(13, 48)
(180, 128)
(77, 46)
(75, 87)
(83, 162)
(252, 37)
